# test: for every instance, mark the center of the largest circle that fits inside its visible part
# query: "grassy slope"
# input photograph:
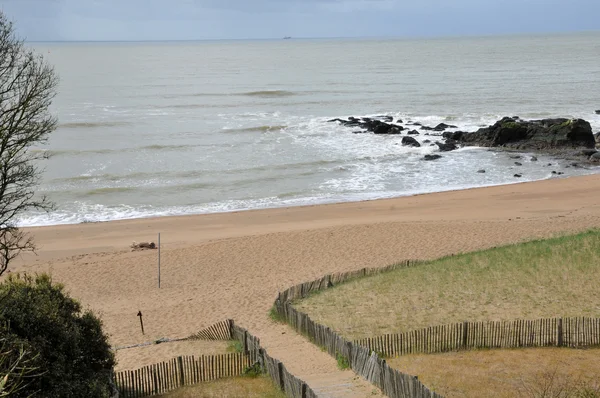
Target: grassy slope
(539, 279)
(506, 373)
(246, 387)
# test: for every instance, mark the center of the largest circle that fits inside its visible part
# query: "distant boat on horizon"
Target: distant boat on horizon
(287, 37)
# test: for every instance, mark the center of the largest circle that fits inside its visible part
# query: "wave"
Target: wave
(75, 152)
(84, 125)
(109, 191)
(268, 93)
(261, 129)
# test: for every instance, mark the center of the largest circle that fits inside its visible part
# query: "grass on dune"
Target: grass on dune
(538, 279)
(239, 387)
(534, 372)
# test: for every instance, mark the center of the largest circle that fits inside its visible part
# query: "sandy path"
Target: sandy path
(232, 265)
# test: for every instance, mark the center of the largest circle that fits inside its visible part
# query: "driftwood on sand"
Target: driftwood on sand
(143, 245)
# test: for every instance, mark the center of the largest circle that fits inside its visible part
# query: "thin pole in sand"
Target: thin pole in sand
(141, 321)
(159, 260)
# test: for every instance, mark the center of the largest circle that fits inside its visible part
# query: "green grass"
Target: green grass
(538, 279)
(342, 362)
(274, 315)
(235, 346)
(258, 387)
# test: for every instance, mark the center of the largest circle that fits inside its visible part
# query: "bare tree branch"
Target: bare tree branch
(27, 88)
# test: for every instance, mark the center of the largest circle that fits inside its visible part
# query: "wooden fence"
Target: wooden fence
(181, 371)
(362, 360)
(553, 332)
(287, 382)
(219, 331)
(178, 372)
(363, 354)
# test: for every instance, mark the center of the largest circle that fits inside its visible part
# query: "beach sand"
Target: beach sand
(232, 265)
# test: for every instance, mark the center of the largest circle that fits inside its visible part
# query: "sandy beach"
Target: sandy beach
(232, 265)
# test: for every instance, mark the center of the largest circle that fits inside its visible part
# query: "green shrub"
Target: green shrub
(71, 353)
(342, 362)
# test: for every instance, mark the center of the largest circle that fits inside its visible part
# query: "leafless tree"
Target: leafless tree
(27, 87)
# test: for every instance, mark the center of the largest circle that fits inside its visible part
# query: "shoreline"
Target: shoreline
(222, 225)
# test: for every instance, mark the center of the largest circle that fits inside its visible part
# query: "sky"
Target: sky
(106, 20)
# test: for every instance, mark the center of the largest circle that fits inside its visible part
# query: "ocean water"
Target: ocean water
(152, 129)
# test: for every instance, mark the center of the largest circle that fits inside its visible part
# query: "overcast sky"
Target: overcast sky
(241, 19)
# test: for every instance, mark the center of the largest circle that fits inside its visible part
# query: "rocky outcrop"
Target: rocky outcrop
(447, 146)
(373, 125)
(439, 127)
(409, 141)
(431, 157)
(530, 135)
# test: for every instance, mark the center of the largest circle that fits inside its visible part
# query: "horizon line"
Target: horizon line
(288, 38)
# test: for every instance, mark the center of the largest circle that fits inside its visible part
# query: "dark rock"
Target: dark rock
(518, 175)
(431, 144)
(549, 164)
(534, 134)
(481, 171)
(415, 123)
(431, 157)
(575, 164)
(337, 120)
(425, 127)
(595, 157)
(360, 132)
(410, 141)
(533, 159)
(413, 132)
(384, 128)
(588, 152)
(518, 163)
(449, 145)
(426, 141)
(453, 135)
(597, 111)
(515, 157)
(443, 126)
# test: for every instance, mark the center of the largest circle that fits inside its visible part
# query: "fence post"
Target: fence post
(303, 392)
(280, 371)
(231, 323)
(261, 360)
(155, 379)
(465, 333)
(560, 333)
(181, 372)
(245, 342)
(349, 345)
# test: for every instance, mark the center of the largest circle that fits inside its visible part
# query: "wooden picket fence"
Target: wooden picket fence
(362, 360)
(188, 370)
(179, 372)
(364, 354)
(288, 383)
(552, 332)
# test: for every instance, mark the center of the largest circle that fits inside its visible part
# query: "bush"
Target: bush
(72, 356)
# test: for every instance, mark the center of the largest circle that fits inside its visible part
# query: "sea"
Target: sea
(174, 128)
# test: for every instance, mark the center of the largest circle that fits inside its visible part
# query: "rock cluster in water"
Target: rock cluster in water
(567, 137)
